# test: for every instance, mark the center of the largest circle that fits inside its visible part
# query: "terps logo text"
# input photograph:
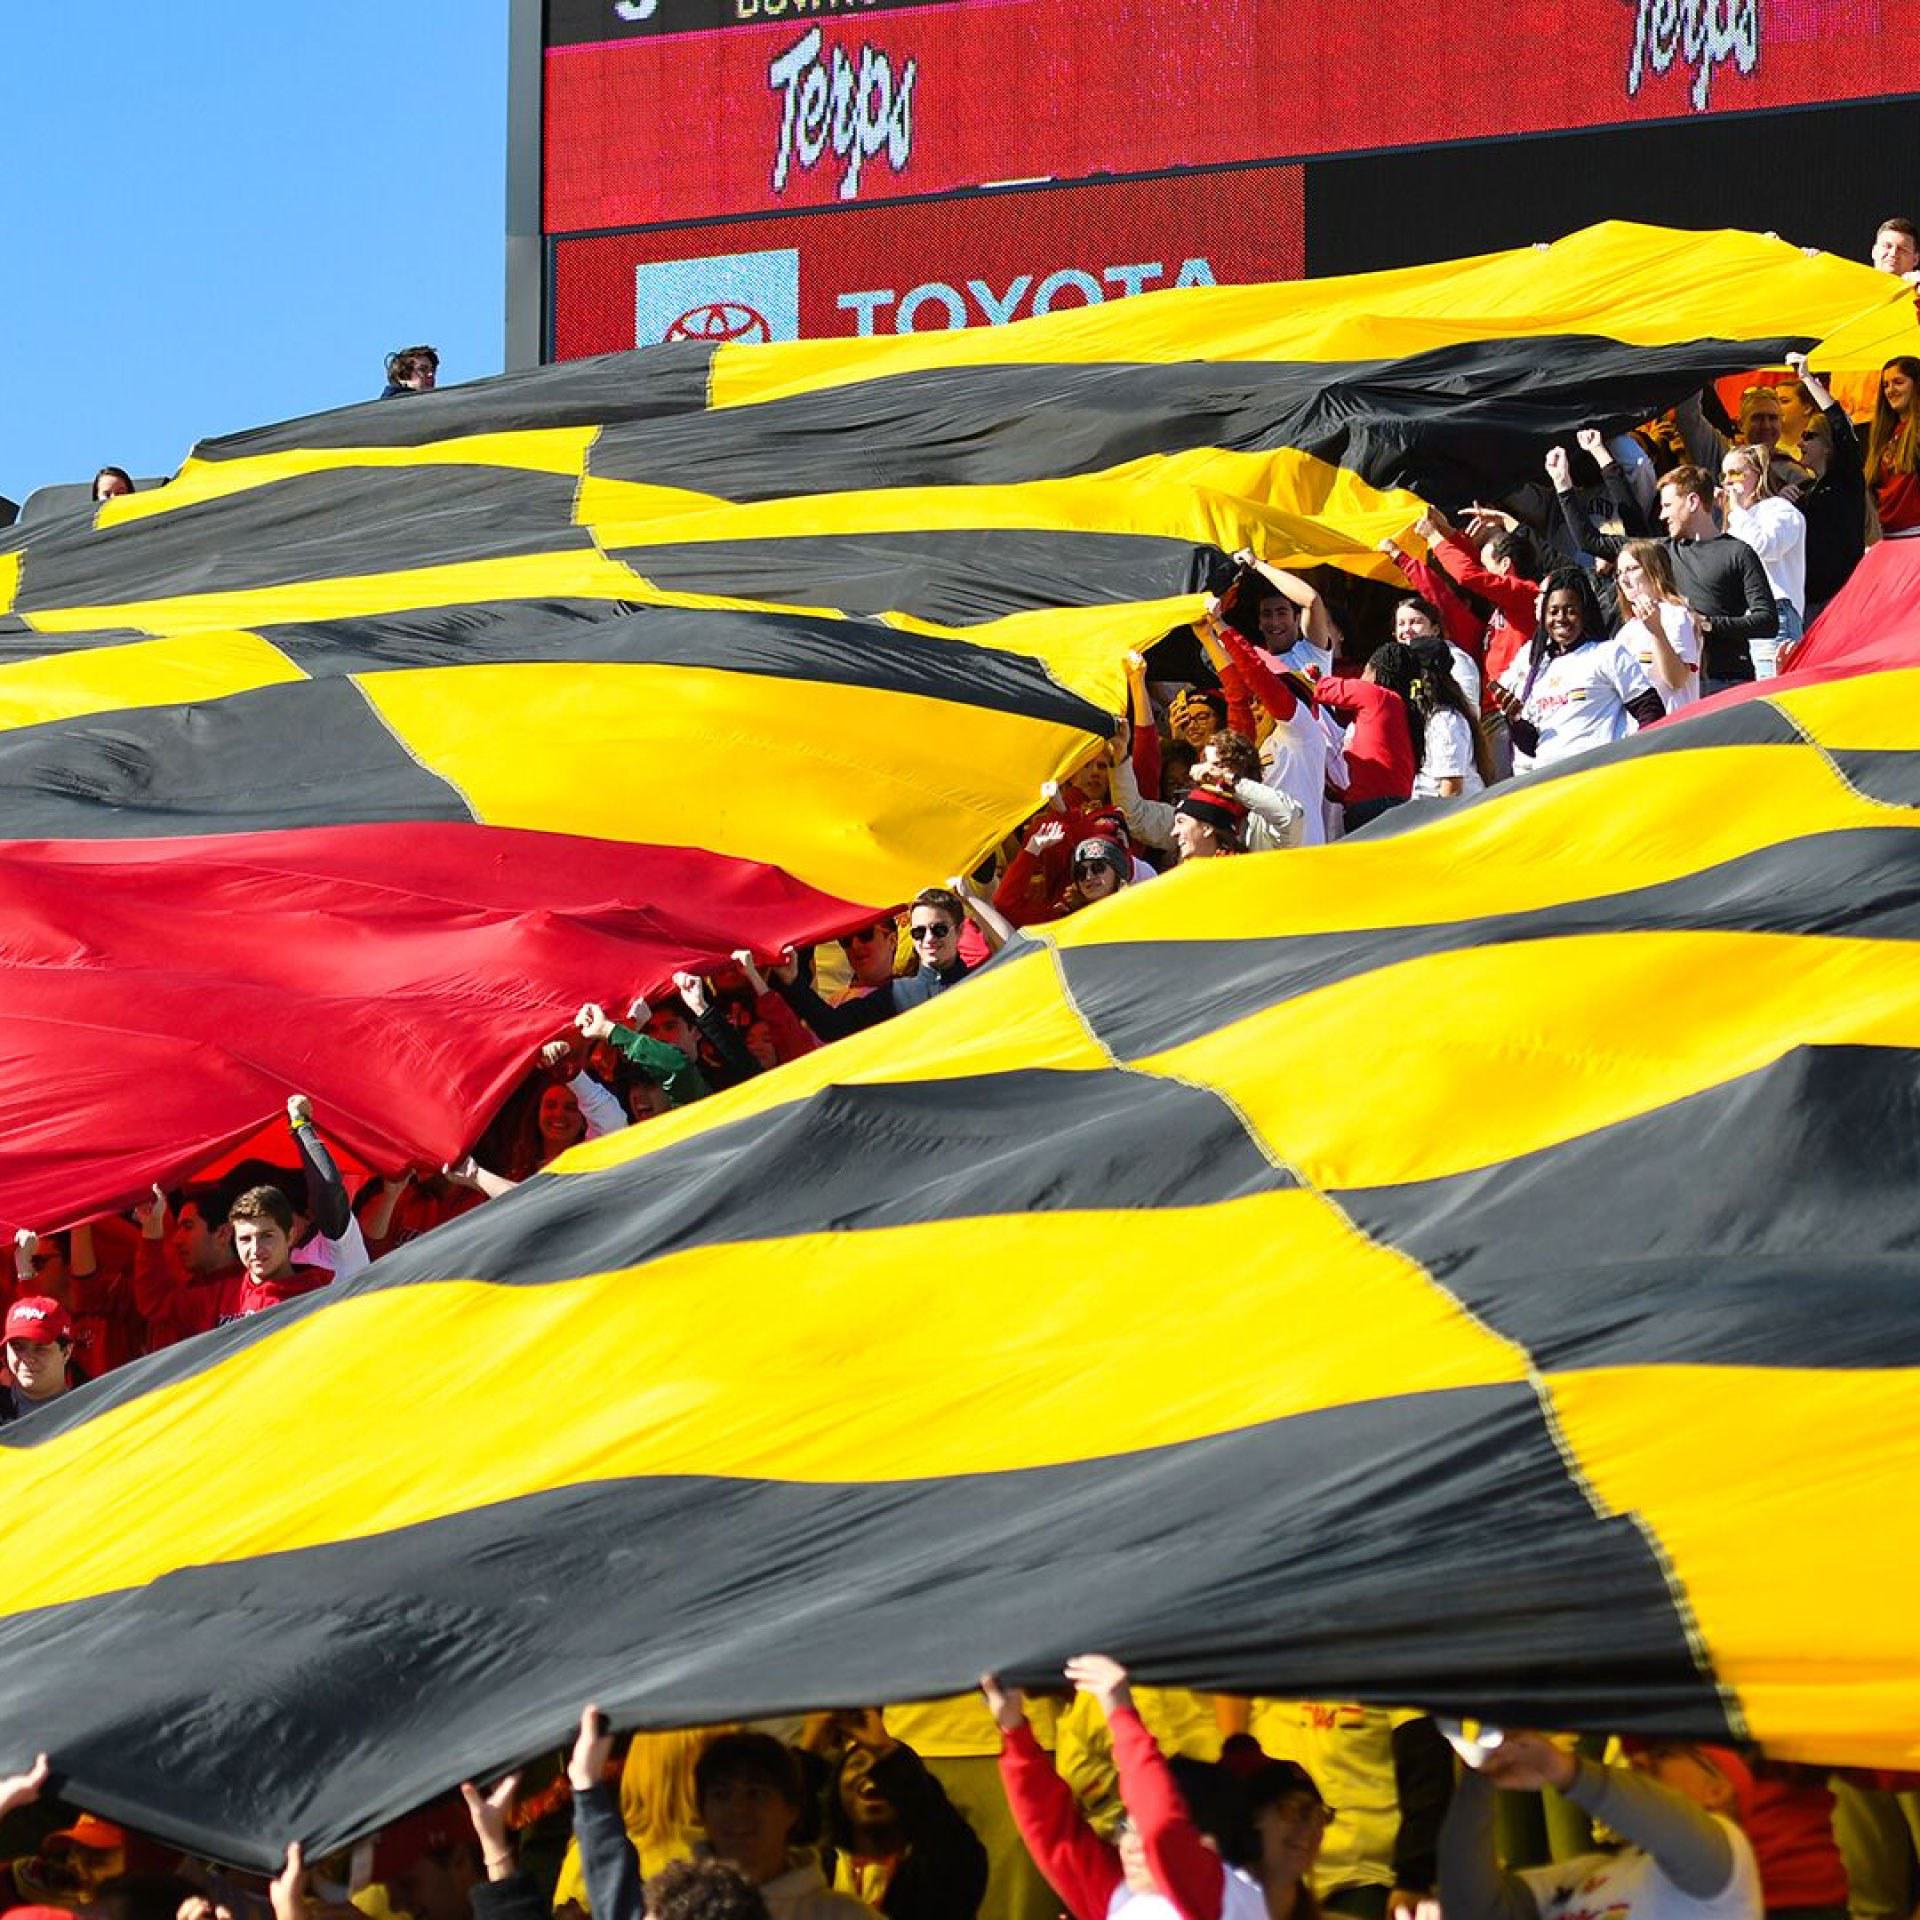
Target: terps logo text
(857, 111)
(1704, 33)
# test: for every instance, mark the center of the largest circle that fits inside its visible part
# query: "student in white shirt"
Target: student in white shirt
(1454, 756)
(1684, 1857)
(1416, 621)
(1777, 531)
(1657, 624)
(1569, 688)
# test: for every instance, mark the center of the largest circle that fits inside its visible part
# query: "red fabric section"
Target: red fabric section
(1872, 623)
(160, 999)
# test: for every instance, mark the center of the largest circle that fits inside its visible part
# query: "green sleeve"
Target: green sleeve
(665, 1065)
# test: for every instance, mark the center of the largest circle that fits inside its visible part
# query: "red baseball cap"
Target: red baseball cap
(38, 1319)
(90, 1832)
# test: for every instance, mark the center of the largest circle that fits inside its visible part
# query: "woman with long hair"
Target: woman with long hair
(1573, 688)
(1777, 531)
(1893, 449)
(1657, 624)
(1455, 757)
(1385, 737)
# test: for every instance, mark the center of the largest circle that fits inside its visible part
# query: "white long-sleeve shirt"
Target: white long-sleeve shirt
(1777, 531)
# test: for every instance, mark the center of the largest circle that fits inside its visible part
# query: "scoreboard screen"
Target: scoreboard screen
(765, 169)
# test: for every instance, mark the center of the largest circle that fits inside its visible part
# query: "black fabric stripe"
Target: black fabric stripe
(1861, 882)
(18, 641)
(1746, 723)
(956, 577)
(1449, 422)
(574, 393)
(325, 1690)
(1883, 774)
(849, 1159)
(1769, 1222)
(298, 755)
(313, 526)
(819, 648)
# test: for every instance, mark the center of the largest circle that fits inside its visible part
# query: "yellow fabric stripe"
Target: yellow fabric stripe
(991, 1376)
(1024, 1022)
(582, 574)
(1467, 1059)
(1292, 508)
(1608, 830)
(1642, 286)
(533, 449)
(143, 673)
(9, 579)
(1819, 1466)
(1878, 710)
(1864, 345)
(863, 794)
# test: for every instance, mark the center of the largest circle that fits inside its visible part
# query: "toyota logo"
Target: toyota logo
(720, 320)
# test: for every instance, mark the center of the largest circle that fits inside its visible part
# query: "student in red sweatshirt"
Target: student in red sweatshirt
(1162, 1867)
(1384, 734)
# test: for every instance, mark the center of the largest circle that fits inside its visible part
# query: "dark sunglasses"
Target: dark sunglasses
(1081, 868)
(933, 930)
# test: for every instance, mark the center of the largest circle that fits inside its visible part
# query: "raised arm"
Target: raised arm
(1573, 511)
(1078, 1865)
(327, 1204)
(995, 928)
(1315, 621)
(1472, 1883)
(607, 1857)
(1187, 1869)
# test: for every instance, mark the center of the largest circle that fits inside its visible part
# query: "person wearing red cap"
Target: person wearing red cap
(68, 1868)
(39, 1354)
(1208, 823)
(1685, 1856)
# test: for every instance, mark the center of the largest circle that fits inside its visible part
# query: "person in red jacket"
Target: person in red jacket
(1162, 1867)
(262, 1223)
(1384, 739)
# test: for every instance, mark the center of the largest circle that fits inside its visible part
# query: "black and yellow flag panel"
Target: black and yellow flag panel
(725, 646)
(1473, 1268)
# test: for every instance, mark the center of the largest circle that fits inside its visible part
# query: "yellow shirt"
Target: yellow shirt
(959, 1727)
(1349, 1751)
(1179, 1721)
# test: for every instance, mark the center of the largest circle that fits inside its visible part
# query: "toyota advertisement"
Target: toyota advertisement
(975, 262)
(766, 169)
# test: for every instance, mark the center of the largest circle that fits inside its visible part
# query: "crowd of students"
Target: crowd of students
(1648, 570)
(1095, 1800)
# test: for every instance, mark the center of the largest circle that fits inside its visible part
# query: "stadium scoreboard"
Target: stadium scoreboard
(769, 169)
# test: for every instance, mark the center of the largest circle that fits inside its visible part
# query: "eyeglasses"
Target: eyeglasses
(933, 930)
(1085, 869)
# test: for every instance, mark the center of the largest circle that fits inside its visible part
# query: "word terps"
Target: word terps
(854, 112)
(1705, 34)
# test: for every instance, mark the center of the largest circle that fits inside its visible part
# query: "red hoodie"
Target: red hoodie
(1380, 762)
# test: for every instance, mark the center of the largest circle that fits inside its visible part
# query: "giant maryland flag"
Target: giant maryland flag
(355, 757)
(1476, 1268)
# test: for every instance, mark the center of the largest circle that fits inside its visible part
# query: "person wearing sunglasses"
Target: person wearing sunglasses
(934, 923)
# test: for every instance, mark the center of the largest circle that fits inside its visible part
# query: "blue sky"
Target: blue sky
(224, 212)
